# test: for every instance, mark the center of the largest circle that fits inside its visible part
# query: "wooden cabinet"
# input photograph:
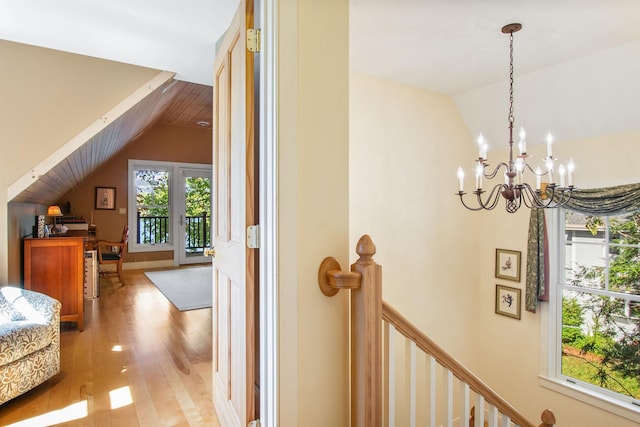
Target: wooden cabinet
(55, 267)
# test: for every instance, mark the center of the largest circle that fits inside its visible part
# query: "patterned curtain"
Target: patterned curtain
(535, 285)
(596, 201)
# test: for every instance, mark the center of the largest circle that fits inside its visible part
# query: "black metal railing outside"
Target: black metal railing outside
(155, 230)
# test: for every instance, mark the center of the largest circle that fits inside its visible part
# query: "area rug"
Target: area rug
(186, 288)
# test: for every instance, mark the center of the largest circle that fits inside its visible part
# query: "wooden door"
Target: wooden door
(233, 265)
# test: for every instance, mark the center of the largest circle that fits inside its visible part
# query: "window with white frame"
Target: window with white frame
(150, 206)
(595, 307)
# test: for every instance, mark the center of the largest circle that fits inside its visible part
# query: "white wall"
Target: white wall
(438, 258)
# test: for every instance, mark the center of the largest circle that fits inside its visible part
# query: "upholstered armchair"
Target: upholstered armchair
(29, 340)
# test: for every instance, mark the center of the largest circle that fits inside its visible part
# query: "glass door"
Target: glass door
(195, 215)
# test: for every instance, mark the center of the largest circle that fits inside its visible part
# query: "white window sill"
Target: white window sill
(626, 410)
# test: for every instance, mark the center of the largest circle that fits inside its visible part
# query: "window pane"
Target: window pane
(585, 251)
(624, 254)
(599, 344)
(152, 206)
(153, 226)
(585, 264)
(623, 229)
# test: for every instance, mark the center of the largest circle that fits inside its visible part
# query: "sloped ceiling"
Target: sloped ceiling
(174, 102)
(576, 61)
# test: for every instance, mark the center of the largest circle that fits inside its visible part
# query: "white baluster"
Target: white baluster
(412, 385)
(466, 406)
(479, 411)
(392, 376)
(449, 398)
(432, 392)
(493, 416)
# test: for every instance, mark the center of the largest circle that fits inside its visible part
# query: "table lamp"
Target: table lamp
(54, 211)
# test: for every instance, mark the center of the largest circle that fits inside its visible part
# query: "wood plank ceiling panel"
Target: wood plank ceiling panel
(178, 103)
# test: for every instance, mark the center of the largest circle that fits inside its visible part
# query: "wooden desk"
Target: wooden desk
(88, 237)
(55, 267)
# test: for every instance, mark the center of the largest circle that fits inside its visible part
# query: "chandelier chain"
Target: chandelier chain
(511, 118)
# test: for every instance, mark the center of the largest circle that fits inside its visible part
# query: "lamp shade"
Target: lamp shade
(54, 210)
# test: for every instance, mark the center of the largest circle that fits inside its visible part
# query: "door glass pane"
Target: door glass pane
(198, 214)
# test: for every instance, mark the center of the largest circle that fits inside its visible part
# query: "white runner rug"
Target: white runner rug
(186, 288)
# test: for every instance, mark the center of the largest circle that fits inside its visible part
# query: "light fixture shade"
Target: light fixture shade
(54, 210)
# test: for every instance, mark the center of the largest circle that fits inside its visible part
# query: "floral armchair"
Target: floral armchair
(29, 340)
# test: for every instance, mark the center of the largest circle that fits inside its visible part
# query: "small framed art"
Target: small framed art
(508, 301)
(105, 198)
(508, 264)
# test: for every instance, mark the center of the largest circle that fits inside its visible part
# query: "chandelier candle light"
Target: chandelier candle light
(514, 190)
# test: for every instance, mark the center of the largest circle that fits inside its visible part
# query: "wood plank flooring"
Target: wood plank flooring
(138, 362)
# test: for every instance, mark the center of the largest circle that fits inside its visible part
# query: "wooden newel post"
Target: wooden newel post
(366, 339)
(547, 418)
(365, 282)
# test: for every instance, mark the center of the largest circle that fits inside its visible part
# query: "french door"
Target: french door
(194, 218)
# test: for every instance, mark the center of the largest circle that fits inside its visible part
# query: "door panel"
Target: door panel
(234, 370)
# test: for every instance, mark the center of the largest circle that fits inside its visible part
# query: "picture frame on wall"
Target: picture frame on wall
(508, 264)
(508, 301)
(106, 198)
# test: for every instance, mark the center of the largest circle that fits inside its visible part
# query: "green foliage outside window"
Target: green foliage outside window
(601, 333)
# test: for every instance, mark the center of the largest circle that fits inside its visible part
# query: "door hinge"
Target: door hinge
(253, 236)
(254, 423)
(253, 39)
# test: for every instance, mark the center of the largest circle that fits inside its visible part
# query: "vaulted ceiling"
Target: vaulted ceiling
(576, 61)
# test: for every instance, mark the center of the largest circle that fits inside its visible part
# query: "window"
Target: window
(594, 307)
(151, 206)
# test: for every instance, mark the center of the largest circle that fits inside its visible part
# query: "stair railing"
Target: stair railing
(374, 321)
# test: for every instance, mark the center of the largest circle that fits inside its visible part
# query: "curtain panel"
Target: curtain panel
(605, 201)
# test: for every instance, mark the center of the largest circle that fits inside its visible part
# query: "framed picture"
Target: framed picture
(508, 265)
(508, 301)
(105, 198)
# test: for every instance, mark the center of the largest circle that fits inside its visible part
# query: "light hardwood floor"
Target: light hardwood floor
(139, 362)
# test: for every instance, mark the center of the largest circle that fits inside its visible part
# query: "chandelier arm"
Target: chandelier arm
(489, 203)
(492, 199)
(532, 198)
(495, 171)
(564, 196)
(528, 166)
(461, 194)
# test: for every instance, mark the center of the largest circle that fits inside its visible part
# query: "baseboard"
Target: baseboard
(144, 265)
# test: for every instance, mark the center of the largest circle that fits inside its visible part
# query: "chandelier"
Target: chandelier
(514, 190)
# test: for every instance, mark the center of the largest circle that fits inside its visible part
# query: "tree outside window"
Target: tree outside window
(600, 288)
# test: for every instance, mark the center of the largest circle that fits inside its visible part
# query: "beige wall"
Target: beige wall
(312, 203)
(162, 142)
(48, 97)
(599, 163)
(405, 146)
(437, 257)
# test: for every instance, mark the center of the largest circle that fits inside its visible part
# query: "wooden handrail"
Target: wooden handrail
(410, 331)
(367, 309)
